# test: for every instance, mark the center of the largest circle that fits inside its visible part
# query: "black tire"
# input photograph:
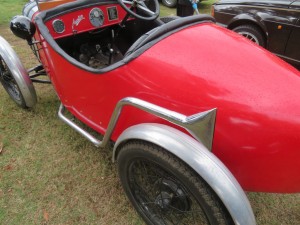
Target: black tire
(251, 32)
(10, 85)
(164, 190)
(169, 3)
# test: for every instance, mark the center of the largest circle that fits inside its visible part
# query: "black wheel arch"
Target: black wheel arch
(249, 19)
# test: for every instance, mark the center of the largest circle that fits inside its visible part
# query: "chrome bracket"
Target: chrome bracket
(200, 125)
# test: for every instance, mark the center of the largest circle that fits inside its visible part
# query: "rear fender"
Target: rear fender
(247, 19)
(18, 72)
(200, 159)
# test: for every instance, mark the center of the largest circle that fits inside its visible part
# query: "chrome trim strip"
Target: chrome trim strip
(193, 124)
(200, 125)
(202, 161)
(27, 8)
(84, 133)
(18, 72)
(287, 58)
(264, 7)
(32, 12)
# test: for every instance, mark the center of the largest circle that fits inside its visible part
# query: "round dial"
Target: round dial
(58, 26)
(96, 17)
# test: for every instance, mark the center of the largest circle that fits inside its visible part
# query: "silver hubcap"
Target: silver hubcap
(250, 36)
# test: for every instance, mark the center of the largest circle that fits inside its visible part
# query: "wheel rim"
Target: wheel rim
(250, 36)
(9, 82)
(169, 2)
(161, 197)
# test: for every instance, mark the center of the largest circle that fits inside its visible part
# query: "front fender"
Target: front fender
(202, 161)
(18, 72)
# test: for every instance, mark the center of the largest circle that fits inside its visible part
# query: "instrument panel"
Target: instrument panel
(58, 26)
(86, 19)
(96, 17)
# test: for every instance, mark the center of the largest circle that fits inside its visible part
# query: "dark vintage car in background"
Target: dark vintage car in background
(273, 24)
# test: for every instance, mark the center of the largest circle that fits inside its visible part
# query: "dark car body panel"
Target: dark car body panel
(279, 21)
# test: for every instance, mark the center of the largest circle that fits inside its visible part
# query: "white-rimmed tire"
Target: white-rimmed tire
(14, 77)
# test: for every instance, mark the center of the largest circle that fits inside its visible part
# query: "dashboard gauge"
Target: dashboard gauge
(112, 13)
(58, 26)
(96, 17)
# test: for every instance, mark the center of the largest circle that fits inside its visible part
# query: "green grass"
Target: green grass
(49, 174)
(10, 8)
(204, 8)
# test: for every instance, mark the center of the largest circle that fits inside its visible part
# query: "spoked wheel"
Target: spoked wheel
(10, 84)
(164, 190)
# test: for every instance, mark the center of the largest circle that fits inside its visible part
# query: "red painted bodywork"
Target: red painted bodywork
(257, 131)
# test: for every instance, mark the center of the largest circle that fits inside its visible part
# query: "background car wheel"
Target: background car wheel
(252, 33)
(164, 190)
(10, 84)
(169, 3)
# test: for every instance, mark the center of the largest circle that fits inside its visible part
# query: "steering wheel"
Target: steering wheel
(140, 4)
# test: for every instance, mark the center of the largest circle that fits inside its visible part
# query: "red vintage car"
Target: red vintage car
(198, 114)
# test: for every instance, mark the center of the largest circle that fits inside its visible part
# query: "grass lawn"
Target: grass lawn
(51, 175)
(10, 8)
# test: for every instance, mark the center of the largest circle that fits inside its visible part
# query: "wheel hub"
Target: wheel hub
(171, 196)
(5, 77)
(164, 200)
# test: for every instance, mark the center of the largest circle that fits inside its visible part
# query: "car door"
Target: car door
(279, 21)
(292, 50)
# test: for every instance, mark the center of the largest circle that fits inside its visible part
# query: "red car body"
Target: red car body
(255, 93)
(196, 68)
